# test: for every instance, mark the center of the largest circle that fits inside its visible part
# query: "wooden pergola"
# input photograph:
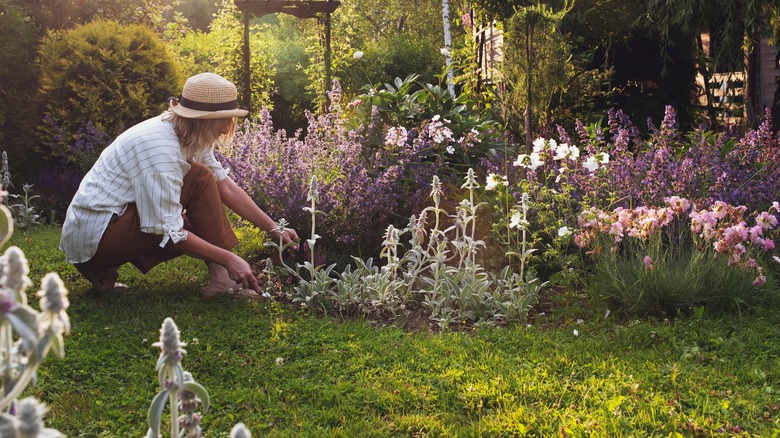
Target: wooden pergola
(296, 8)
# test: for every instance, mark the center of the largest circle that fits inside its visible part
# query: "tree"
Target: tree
(536, 66)
(17, 75)
(736, 25)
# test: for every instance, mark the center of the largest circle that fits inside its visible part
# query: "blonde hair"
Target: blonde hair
(197, 135)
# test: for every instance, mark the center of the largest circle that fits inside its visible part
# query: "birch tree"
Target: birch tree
(445, 12)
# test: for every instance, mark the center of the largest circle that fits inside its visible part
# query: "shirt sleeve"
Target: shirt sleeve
(210, 160)
(157, 197)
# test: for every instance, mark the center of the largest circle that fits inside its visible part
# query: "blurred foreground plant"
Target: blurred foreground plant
(180, 391)
(37, 333)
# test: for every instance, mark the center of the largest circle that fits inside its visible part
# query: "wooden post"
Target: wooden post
(328, 79)
(246, 98)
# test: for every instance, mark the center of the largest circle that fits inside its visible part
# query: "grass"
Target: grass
(709, 376)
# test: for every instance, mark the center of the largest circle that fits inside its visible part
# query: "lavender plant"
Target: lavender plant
(359, 187)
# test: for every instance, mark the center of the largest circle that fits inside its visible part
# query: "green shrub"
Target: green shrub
(220, 50)
(18, 77)
(397, 56)
(103, 73)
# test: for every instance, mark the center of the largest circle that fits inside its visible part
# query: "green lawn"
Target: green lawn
(288, 373)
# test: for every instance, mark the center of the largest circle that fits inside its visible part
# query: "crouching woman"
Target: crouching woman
(157, 192)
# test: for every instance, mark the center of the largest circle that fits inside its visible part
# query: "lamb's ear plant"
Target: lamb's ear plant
(37, 333)
(313, 288)
(177, 388)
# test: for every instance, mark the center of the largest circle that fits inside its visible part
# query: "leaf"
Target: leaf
(200, 391)
(155, 412)
(6, 224)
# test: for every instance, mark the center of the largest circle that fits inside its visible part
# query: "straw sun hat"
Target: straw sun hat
(207, 96)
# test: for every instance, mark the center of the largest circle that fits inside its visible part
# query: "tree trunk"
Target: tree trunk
(529, 56)
(753, 93)
(445, 12)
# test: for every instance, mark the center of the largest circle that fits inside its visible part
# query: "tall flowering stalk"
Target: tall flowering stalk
(26, 337)
(178, 388)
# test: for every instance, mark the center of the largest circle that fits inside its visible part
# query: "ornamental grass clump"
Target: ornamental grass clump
(677, 257)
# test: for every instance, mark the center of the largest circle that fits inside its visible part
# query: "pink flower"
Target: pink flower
(616, 231)
(759, 281)
(766, 221)
(648, 263)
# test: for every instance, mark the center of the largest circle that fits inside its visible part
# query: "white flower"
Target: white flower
(576, 333)
(515, 220)
(591, 164)
(553, 144)
(603, 157)
(776, 259)
(522, 160)
(564, 231)
(494, 181)
(195, 341)
(444, 51)
(450, 150)
(357, 55)
(539, 144)
(279, 361)
(561, 151)
(606, 313)
(574, 152)
(536, 161)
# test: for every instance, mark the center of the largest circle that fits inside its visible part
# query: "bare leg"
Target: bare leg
(219, 281)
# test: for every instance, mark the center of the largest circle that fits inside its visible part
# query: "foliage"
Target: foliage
(18, 76)
(429, 119)
(251, 240)
(286, 55)
(27, 337)
(62, 14)
(104, 74)
(680, 256)
(396, 56)
(24, 213)
(360, 187)
(220, 50)
(439, 276)
(533, 45)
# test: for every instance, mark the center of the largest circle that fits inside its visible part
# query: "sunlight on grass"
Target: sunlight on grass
(288, 373)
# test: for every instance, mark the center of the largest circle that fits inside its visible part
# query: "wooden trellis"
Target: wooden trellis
(296, 8)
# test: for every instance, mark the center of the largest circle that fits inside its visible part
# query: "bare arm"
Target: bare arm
(237, 200)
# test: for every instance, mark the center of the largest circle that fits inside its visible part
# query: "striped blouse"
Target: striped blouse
(145, 165)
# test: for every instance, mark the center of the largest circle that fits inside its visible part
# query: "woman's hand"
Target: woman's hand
(240, 272)
(289, 236)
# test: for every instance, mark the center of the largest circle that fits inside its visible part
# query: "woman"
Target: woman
(157, 192)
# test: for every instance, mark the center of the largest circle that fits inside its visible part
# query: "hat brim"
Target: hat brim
(188, 113)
